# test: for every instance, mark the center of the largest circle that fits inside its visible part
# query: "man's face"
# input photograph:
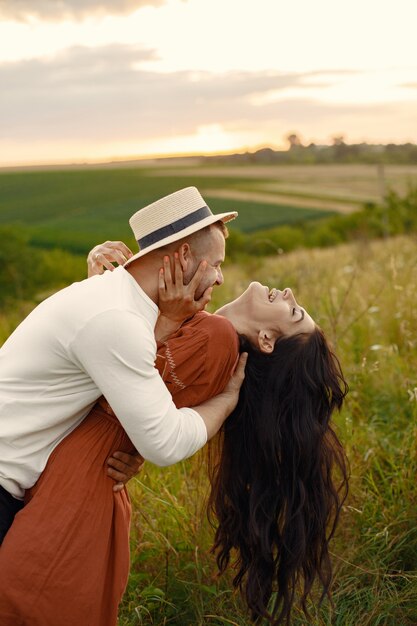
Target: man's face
(210, 248)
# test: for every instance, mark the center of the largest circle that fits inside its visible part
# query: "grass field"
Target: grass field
(74, 209)
(365, 297)
(335, 187)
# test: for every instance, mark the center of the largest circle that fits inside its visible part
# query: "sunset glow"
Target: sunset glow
(118, 79)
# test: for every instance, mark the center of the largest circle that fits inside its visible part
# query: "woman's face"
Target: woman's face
(278, 310)
(262, 314)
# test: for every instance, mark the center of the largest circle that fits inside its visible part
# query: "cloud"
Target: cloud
(56, 10)
(109, 94)
(101, 92)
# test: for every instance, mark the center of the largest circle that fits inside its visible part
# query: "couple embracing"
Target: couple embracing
(129, 361)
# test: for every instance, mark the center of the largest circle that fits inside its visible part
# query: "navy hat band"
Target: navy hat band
(175, 227)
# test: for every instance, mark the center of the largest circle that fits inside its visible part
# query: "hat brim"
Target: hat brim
(219, 217)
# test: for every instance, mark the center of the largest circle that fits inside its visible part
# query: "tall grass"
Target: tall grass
(365, 297)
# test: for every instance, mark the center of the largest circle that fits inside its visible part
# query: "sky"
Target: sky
(97, 80)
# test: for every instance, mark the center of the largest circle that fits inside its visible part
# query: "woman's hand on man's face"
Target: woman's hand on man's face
(177, 301)
(102, 257)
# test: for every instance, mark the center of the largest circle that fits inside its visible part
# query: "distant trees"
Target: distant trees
(294, 141)
(394, 216)
(338, 152)
(26, 271)
(339, 140)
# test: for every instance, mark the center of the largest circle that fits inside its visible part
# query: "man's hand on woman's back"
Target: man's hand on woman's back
(123, 466)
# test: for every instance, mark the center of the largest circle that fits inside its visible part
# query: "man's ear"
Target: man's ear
(184, 255)
(266, 341)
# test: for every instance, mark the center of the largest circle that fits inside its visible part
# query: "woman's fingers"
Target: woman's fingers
(122, 247)
(179, 276)
(177, 301)
(161, 282)
(201, 304)
(100, 261)
(115, 256)
(197, 278)
(167, 273)
(105, 254)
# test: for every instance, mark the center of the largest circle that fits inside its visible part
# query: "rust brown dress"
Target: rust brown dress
(65, 560)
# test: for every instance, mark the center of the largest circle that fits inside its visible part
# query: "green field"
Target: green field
(74, 209)
(365, 297)
(334, 187)
(363, 294)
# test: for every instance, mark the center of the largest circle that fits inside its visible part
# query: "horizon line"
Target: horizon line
(126, 159)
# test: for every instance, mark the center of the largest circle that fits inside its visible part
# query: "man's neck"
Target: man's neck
(145, 271)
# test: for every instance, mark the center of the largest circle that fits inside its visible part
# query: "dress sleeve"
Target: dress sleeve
(116, 349)
(197, 362)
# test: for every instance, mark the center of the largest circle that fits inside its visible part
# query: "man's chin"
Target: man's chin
(200, 289)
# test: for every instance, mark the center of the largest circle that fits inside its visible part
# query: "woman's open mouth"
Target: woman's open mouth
(272, 294)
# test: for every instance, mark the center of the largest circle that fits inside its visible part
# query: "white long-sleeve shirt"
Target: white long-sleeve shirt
(92, 338)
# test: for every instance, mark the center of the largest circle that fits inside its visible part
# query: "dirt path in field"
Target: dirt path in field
(356, 181)
(314, 172)
(279, 199)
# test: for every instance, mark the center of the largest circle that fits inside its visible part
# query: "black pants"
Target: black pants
(9, 506)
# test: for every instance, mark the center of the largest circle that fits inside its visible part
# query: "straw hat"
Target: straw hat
(171, 218)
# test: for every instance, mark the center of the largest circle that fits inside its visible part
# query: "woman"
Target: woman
(66, 557)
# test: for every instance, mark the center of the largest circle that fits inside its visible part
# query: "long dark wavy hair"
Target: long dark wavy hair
(274, 493)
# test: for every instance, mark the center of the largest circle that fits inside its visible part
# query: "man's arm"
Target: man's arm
(117, 350)
(177, 302)
(123, 466)
(215, 411)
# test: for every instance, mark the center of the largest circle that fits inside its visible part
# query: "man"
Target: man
(97, 338)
